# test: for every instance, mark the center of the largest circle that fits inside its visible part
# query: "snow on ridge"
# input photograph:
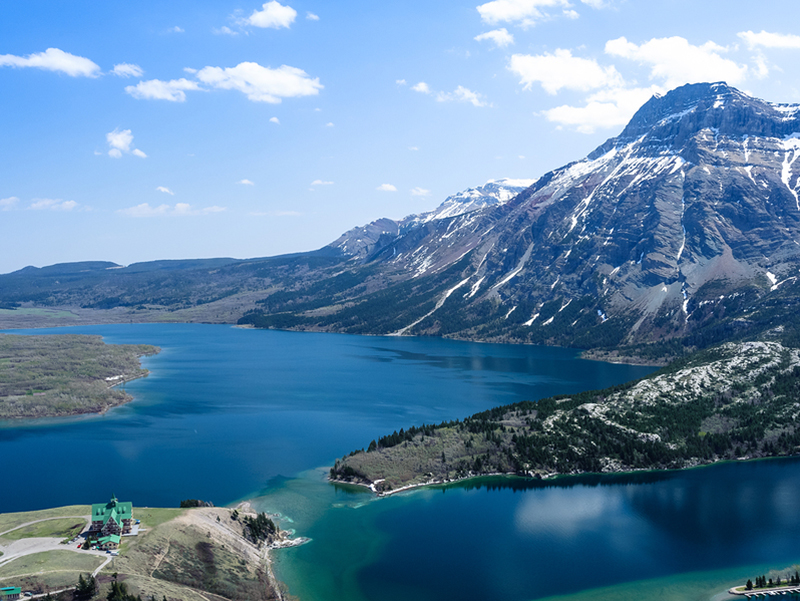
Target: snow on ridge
(789, 110)
(513, 183)
(492, 193)
(678, 115)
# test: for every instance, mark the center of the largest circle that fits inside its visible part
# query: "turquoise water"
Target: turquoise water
(228, 414)
(679, 535)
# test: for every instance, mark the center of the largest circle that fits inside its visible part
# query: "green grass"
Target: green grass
(49, 313)
(61, 528)
(51, 561)
(152, 517)
(14, 520)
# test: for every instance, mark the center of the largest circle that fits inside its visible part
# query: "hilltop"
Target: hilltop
(736, 401)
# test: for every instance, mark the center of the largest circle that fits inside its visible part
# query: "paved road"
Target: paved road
(29, 546)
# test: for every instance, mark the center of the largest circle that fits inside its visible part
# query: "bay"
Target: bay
(225, 410)
(230, 414)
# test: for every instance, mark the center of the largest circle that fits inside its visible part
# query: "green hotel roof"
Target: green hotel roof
(114, 538)
(10, 590)
(119, 511)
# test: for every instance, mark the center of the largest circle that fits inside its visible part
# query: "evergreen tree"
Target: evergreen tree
(86, 587)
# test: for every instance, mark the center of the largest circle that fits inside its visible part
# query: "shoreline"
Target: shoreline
(77, 413)
(84, 316)
(285, 541)
(779, 590)
(545, 478)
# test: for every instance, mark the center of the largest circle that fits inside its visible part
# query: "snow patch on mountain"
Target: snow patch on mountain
(493, 193)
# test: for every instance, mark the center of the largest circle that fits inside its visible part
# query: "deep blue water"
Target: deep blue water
(226, 410)
(228, 414)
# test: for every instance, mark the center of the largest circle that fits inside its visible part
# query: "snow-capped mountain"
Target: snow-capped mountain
(695, 203)
(361, 241)
(493, 193)
(683, 228)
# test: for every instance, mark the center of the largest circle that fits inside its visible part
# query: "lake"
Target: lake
(228, 414)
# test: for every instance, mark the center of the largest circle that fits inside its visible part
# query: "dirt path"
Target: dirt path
(102, 565)
(160, 558)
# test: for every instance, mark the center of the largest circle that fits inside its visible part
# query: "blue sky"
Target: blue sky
(161, 130)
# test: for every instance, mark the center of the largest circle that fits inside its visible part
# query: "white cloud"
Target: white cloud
(274, 120)
(461, 94)
(675, 61)
(155, 89)
(499, 37)
(571, 14)
(766, 39)
(598, 4)
(180, 209)
(165, 190)
(245, 182)
(603, 109)
(175, 29)
(120, 141)
(53, 59)
(311, 16)
(224, 30)
(319, 182)
(272, 14)
(261, 84)
(329, 124)
(524, 12)
(414, 148)
(50, 204)
(562, 70)
(762, 69)
(386, 188)
(400, 82)
(6, 204)
(420, 192)
(127, 70)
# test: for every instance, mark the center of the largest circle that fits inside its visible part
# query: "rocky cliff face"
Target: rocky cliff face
(694, 201)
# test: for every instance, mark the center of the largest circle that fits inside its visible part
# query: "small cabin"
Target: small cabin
(10, 593)
(107, 543)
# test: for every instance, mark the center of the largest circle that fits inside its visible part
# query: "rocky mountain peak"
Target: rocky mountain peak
(671, 121)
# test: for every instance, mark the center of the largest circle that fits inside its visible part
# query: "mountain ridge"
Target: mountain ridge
(684, 223)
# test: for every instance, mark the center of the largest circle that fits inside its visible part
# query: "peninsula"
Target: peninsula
(735, 401)
(54, 376)
(213, 553)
